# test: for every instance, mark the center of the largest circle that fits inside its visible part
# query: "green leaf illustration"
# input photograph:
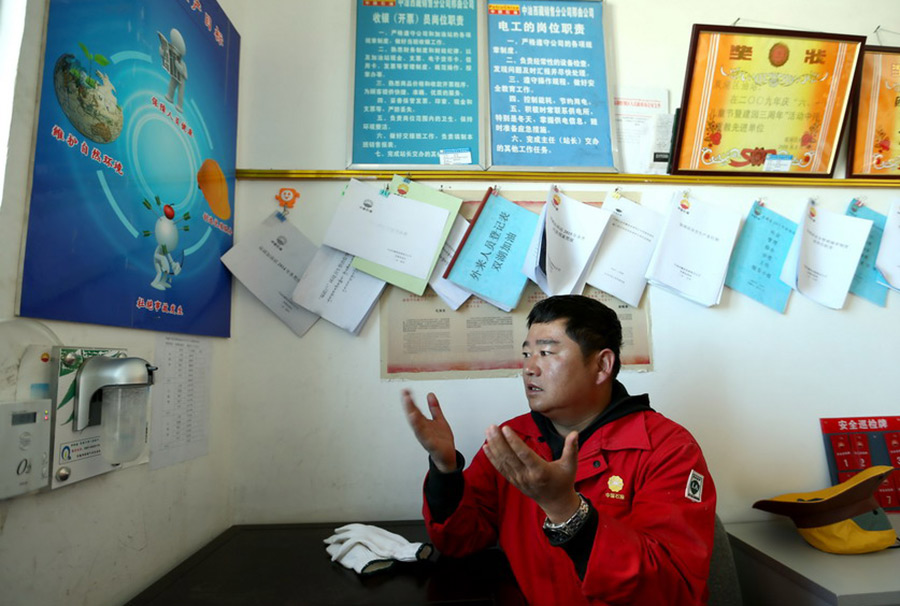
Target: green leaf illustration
(70, 393)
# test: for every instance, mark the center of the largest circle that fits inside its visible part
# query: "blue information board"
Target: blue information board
(415, 83)
(548, 89)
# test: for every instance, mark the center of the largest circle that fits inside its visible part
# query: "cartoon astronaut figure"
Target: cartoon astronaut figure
(167, 241)
(172, 52)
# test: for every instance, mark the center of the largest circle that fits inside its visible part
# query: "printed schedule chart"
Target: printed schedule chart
(180, 396)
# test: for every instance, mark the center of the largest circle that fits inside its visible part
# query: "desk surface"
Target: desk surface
(872, 578)
(286, 564)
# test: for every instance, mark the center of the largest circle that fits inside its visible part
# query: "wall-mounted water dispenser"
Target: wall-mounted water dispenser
(114, 394)
(67, 413)
(102, 403)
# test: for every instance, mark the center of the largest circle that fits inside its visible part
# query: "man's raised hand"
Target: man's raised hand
(551, 484)
(433, 434)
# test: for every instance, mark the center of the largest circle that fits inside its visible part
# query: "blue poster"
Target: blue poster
(134, 164)
(549, 98)
(416, 83)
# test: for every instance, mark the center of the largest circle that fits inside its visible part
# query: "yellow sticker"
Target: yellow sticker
(615, 484)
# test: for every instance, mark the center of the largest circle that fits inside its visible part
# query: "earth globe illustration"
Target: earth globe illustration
(89, 101)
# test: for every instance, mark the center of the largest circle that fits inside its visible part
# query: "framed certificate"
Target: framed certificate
(875, 126)
(765, 101)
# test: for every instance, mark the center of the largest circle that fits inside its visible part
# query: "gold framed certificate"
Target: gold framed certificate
(765, 101)
(875, 126)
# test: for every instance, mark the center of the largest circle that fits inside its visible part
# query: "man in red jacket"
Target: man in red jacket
(594, 497)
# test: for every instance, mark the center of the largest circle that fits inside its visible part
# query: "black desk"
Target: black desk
(286, 565)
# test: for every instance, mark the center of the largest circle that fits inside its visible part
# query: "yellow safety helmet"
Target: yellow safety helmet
(844, 518)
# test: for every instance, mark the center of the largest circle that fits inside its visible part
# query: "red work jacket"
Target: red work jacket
(646, 477)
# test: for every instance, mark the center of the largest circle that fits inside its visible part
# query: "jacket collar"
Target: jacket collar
(615, 429)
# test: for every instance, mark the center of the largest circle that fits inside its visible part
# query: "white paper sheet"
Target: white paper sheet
(454, 296)
(573, 230)
(269, 261)
(824, 255)
(626, 248)
(888, 260)
(535, 256)
(661, 147)
(400, 233)
(420, 193)
(179, 422)
(332, 288)
(691, 258)
(636, 109)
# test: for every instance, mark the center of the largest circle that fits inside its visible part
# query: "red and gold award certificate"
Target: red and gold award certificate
(765, 101)
(875, 146)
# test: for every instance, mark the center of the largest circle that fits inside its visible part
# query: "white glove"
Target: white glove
(358, 545)
(359, 558)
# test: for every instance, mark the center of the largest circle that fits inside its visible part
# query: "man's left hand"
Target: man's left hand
(551, 484)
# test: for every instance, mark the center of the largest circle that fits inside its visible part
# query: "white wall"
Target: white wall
(303, 429)
(12, 18)
(101, 541)
(328, 441)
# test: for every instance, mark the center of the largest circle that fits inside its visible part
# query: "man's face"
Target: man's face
(560, 382)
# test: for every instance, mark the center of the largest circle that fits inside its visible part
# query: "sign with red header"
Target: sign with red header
(856, 443)
(503, 9)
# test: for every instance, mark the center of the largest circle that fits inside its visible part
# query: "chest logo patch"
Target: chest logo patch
(694, 488)
(615, 484)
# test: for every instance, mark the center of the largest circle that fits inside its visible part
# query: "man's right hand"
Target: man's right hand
(433, 434)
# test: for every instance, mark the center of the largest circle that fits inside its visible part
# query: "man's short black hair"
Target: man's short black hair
(590, 323)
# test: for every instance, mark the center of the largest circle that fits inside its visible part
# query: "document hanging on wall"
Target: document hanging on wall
(428, 338)
(825, 254)
(765, 101)
(867, 280)
(549, 100)
(875, 126)
(415, 85)
(759, 255)
(887, 260)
